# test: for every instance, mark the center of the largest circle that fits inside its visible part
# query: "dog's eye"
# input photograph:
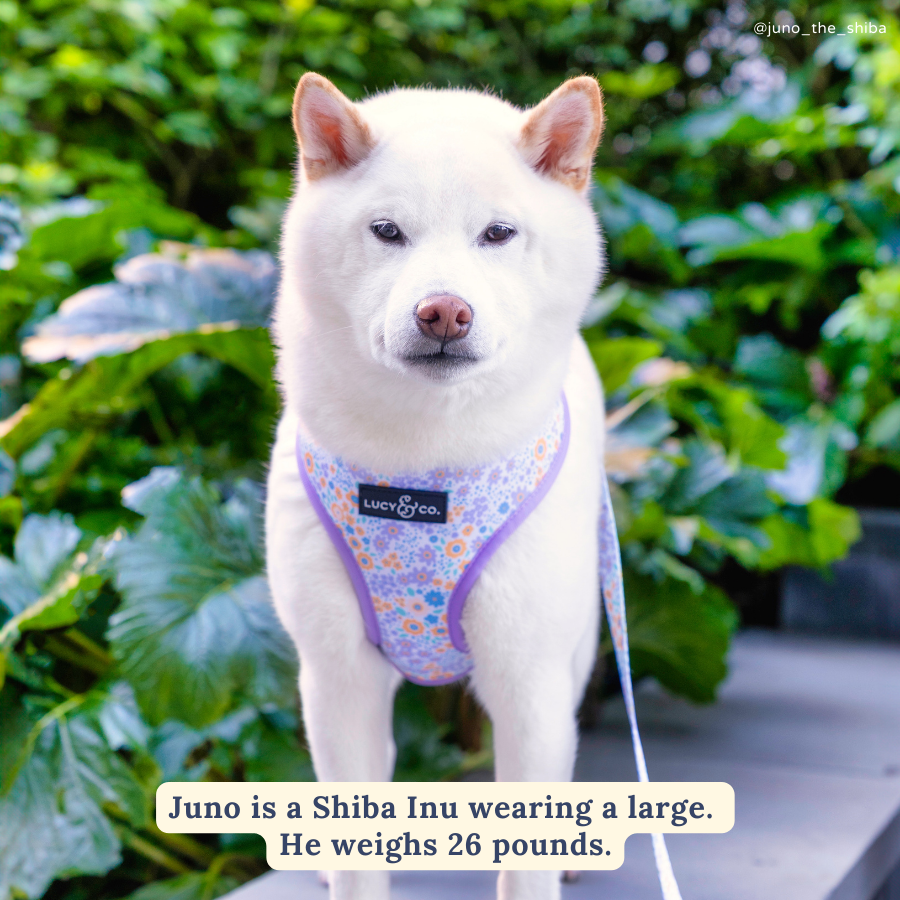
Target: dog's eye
(387, 231)
(498, 233)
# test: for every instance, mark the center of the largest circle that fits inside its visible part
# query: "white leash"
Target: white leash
(614, 601)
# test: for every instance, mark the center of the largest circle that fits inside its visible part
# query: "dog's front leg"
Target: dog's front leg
(534, 740)
(347, 686)
(347, 710)
(535, 663)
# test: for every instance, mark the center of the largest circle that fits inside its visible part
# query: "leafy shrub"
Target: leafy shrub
(748, 335)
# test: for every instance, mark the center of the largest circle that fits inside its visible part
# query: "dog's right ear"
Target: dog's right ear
(330, 131)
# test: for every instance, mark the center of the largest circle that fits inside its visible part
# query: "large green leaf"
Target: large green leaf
(196, 629)
(104, 388)
(44, 588)
(617, 358)
(97, 234)
(733, 502)
(58, 774)
(678, 636)
(43, 543)
(156, 296)
(825, 533)
(884, 430)
(777, 373)
(793, 234)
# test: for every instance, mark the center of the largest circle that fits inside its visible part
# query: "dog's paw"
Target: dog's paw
(570, 877)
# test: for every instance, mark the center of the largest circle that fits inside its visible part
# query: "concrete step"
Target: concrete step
(806, 730)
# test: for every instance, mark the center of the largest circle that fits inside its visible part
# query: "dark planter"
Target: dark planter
(862, 598)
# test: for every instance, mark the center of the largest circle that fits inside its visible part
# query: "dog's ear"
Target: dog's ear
(330, 131)
(561, 133)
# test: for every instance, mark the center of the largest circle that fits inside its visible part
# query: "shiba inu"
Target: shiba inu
(438, 254)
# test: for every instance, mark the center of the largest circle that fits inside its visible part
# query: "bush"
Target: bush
(748, 335)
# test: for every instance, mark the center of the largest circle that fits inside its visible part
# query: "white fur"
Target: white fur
(445, 165)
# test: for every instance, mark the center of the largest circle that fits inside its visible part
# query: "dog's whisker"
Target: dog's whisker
(322, 334)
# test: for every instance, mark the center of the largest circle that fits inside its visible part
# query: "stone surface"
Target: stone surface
(807, 731)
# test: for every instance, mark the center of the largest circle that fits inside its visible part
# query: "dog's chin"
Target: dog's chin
(440, 367)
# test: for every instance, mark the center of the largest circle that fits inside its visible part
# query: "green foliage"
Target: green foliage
(196, 627)
(679, 636)
(748, 335)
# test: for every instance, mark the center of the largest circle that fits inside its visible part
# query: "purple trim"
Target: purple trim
(489, 548)
(357, 579)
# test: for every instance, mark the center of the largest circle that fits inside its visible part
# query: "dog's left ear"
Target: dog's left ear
(330, 130)
(561, 133)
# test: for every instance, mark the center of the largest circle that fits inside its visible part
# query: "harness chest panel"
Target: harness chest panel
(416, 543)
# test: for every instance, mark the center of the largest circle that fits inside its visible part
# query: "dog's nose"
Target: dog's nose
(444, 317)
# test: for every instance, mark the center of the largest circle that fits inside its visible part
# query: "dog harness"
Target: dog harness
(414, 545)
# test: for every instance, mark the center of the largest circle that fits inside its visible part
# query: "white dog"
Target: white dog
(438, 255)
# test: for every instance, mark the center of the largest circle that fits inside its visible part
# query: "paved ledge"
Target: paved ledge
(807, 731)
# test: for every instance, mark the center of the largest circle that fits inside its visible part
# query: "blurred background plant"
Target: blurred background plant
(748, 334)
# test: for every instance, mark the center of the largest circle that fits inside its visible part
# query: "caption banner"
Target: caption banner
(423, 825)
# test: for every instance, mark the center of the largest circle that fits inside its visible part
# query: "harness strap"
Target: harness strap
(614, 602)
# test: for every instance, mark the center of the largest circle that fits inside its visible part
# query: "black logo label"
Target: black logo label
(402, 503)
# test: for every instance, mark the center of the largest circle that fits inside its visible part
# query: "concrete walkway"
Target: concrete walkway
(806, 730)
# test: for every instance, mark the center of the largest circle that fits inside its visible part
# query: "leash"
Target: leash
(614, 601)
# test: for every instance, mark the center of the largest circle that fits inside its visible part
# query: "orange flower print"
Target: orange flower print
(540, 449)
(467, 530)
(455, 548)
(439, 631)
(338, 493)
(412, 626)
(365, 561)
(308, 459)
(355, 543)
(417, 606)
